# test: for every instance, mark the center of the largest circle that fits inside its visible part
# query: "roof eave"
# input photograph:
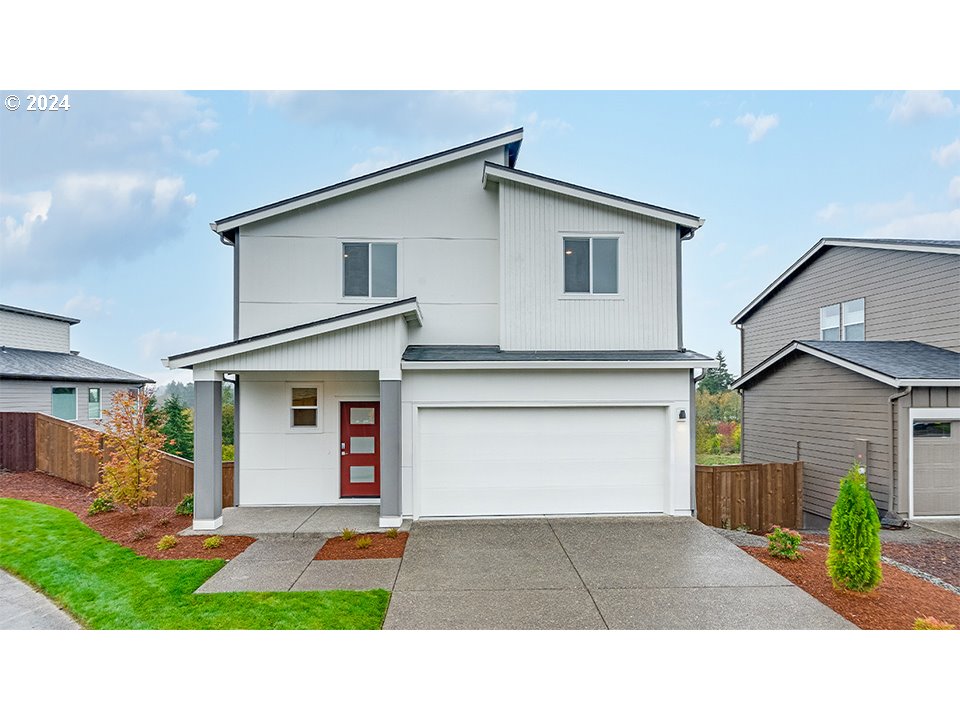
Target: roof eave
(557, 364)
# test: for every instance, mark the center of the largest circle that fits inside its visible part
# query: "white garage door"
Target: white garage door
(541, 461)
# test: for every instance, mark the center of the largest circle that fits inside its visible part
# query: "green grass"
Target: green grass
(718, 459)
(107, 586)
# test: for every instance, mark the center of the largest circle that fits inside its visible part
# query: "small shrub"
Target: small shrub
(164, 521)
(784, 543)
(101, 504)
(392, 533)
(931, 623)
(140, 533)
(347, 533)
(213, 542)
(853, 560)
(185, 507)
(166, 542)
(364, 542)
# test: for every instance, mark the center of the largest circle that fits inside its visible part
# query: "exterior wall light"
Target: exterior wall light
(682, 416)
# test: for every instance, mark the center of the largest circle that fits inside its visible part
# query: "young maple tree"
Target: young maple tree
(127, 449)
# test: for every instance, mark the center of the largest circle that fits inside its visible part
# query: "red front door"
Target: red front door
(359, 449)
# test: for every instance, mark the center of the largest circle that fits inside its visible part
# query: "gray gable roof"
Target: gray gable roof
(896, 359)
(493, 353)
(21, 364)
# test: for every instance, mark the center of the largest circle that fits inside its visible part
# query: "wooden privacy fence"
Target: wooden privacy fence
(756, 496)
(32, 441)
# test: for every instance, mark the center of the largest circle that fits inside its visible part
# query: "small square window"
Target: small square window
(93, 403)
(304, 407)
(591, 265)
(370, 270)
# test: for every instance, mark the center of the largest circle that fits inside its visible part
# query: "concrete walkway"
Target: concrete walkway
(946, 526)
(297, 521)
(23, 608)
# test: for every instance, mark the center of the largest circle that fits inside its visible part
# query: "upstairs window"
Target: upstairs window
(370, 270)
(843, 321)
(93, 404)
(590, 265)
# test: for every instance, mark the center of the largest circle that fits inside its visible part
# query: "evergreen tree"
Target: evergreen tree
(716, 381)
(227, 425)
(178, 427)
(153, 415)
(853, 560)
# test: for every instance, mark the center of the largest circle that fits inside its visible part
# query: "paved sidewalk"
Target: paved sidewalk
(23, 608)
(297, 521)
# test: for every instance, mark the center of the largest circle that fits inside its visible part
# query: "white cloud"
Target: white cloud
(954, 189)
(718, 248)
(830, 212)
(916, 105)
(758, 251)
(158, 343)
(535, 127)
(716, 122)
(947, 154)
(84, 305)
(758, 125)
(935, 225)
(100, 217)
(377, 159)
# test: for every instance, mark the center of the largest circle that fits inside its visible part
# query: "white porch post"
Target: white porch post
(207, 450)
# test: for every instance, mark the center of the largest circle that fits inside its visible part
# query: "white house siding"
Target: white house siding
(372, 346)
(279, 465)
(35, 396)
(534, 313)
(34, 333)
(447, 232)
(666, 390)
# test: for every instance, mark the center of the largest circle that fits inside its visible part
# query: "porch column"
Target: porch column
(390, 514)
(207, 450)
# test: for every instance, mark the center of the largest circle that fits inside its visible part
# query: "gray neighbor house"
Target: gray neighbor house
(39, 372)
(855, 351)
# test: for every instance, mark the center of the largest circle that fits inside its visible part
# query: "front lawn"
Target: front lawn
(107, 586)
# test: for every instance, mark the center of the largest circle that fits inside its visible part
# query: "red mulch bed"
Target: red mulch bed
(138, 531)
(382, 547)
(900, 599)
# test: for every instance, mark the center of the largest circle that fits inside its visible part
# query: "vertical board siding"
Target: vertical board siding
(756, 496)
(826, 409)
(907, 296)
(535, 316)
(55, 454)
(372, 346)
(34, 333)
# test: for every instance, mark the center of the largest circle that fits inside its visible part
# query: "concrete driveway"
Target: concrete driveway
(596, 573)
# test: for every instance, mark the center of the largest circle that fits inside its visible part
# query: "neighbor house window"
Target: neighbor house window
(304, 408)
(590, 265)
(843, 321)
(93, 404)
(63, 403)
(370, 270)
(931, 429)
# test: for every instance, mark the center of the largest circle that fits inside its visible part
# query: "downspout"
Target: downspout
(893, 408)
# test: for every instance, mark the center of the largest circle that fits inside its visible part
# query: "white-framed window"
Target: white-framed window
(94, 409)
(843, 321)
(370, 269)
(305, 406)
(591, 265)
(63, 403)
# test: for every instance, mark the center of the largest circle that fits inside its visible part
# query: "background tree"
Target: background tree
(716, 380)
(127, 450)
(178, 427)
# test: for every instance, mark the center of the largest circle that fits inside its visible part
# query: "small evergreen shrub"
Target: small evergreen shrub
(931, 623)
(166, 542)
(185, 507)
(347, 533)
(392, 533)
(213, 542)
(164, 521)
(784, 543)
(853, 560)
(101, 504)
(141, 533)
(364, 542)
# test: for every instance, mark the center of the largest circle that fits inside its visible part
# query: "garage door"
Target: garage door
(541, 461)
(936, 467)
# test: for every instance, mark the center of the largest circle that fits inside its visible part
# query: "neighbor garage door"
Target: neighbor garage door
(533, 461)
(936, 467)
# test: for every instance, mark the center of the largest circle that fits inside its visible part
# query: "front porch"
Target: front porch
(297, 521)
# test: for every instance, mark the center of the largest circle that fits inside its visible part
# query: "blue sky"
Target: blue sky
(104, 209)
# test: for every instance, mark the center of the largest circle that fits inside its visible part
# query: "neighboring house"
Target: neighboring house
(855, 351)
(39, 372)
(453, 337)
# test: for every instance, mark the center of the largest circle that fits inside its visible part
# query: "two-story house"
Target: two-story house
(854, 351)
(453, 337)
(40, 373)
